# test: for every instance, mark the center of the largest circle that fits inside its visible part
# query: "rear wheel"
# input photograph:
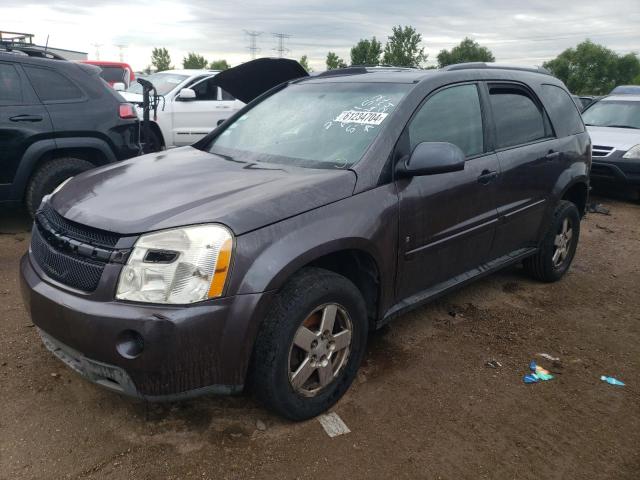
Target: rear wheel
(311, 344)
(49, 176)
(559, 245)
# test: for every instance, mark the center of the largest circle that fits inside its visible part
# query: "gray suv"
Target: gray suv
(264, 254)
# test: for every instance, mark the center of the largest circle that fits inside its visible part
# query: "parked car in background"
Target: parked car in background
(114, 72)
(266, 252)
(57, 119)
(614, 125)
(191, 105)
(626, 90)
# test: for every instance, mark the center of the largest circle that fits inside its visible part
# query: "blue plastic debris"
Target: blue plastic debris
(612, 381)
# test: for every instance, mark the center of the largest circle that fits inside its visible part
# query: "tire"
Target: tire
(49, 176)
(543, 266)
(309, 297)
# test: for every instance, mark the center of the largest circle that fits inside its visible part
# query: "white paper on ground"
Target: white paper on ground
(333, 424)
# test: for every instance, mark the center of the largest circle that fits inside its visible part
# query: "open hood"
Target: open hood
(252, 79)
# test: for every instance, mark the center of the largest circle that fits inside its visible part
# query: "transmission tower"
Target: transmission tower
(281, 49)
(121, 49)
(97, 45)
(253, 42)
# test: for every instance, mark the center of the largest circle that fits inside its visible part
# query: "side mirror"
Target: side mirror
(119, 87)
(430, 158)
(187, 94)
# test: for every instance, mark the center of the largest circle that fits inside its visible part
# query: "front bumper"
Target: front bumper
(614, 169)
(188, 350)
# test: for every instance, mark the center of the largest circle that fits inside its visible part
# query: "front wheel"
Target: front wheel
(311, 344)
(558, 246)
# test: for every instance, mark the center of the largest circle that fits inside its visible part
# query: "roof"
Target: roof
(106, 64)
(626, 97)
(189, 71)
(387, 74)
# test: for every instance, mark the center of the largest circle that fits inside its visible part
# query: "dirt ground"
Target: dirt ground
(425, 404)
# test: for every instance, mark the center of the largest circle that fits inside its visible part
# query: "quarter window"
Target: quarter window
(517, 118)
(452, 115)
(51, 86)
(562, 110)
(10, 87)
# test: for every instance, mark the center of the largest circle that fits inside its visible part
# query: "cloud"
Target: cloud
(516, 31)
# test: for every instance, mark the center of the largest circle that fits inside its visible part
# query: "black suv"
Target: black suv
(329, 205)
(57, 119)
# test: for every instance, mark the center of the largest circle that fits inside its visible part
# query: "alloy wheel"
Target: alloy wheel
(320, 349)
(562, 243)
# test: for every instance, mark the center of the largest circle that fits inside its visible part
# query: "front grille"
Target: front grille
(70, 253)
(601, 151)
(77, 231)
(79, 273)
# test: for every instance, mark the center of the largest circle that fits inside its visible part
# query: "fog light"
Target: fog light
(129, 344)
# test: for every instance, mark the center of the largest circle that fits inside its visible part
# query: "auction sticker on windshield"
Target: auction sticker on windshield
(363, 118)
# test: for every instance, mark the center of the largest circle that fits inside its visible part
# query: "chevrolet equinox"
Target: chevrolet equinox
(264, 254)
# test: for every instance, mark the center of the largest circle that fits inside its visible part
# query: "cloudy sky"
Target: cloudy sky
(521, 32)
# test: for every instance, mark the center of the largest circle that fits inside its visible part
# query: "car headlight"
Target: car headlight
(177, 266)
(633, 152)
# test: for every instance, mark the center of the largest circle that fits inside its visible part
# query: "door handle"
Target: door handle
(549, 157)
(26, 118)
(487, 177)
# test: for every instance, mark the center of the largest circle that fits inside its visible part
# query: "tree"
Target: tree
(193, 60)
(592, 69)
(304, 61)
(403, 48)
(219, 65)
(160, 59)
(467, 51)
(334, 61)
(366, 52)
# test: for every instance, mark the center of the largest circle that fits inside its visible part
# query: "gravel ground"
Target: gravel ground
(425, 404)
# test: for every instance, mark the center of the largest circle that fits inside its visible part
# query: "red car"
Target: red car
(114, 72)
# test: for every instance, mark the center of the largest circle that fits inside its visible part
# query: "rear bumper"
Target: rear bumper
(188, 350)
(615, 170)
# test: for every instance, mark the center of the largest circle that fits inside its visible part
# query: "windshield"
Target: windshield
(114, 74)
(316, 125)
(619, 114)
(164, 82)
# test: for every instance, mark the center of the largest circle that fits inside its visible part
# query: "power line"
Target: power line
(253, 42)
(281, 49)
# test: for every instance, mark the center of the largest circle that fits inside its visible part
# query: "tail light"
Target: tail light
(127, 110)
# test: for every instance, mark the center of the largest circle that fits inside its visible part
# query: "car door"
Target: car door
(23, 119)
(446, 221)
(195, 118)
(528, 152)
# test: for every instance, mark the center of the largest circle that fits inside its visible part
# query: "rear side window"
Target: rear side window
(562, 110)
(52, 86)
(517, 117)
(452, 115)
(10, 87)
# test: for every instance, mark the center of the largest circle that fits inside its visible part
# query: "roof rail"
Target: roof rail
(496, 66)
(28, 49)
(360, 69)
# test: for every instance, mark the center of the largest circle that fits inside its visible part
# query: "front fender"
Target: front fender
(266, 258)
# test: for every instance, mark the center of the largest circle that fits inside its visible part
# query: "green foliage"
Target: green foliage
(403, 48)
(219, 65)
(334, 61)
(366, 52)
(467, 51)
(592, 69)
(304, 61)
(193, 60)
(160, 59)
